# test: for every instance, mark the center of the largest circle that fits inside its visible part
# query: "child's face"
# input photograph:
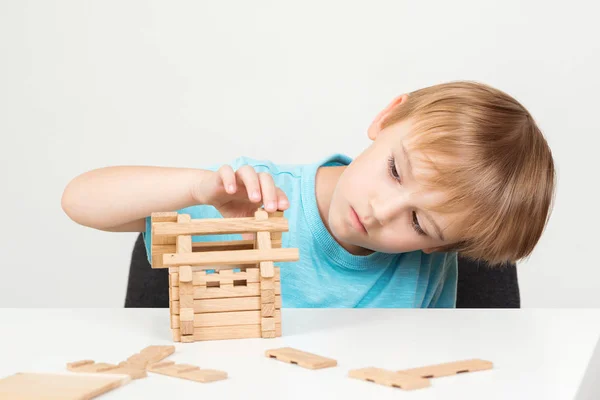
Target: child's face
(387, 199)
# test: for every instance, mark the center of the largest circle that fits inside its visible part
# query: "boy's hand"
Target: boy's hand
(240, 193)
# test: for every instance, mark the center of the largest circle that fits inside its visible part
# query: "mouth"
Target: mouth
(355, 219)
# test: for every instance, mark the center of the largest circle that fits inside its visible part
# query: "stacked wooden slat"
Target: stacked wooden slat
(242, 297)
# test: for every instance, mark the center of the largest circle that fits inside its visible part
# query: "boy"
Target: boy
(455, 167)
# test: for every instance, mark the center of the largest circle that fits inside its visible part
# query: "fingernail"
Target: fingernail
(271, 205)
(255, 195)
(230, 188)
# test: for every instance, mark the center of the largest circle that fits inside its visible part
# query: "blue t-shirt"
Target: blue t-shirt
(327, 275)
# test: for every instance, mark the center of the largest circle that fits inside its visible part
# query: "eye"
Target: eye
(416, 226)
(392, 168)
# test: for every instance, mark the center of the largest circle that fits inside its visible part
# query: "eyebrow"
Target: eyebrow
(431, 220)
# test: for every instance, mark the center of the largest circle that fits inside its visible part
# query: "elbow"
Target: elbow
(68, 202)
(71, 202)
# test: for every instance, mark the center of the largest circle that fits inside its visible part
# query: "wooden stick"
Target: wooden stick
(204, 292)
(226, 304)
(201, 278)
(301, 358)
(214, 258)
(90, 366)
(230, 318)
(389, 378)
(219, 226)
(186, 371)
(229, 332)
(450, 368)
(149, 355)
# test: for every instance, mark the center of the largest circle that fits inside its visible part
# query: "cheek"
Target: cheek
(398, 241)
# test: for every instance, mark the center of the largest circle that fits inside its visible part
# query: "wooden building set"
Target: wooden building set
(241, 298)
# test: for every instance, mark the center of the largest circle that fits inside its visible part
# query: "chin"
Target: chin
(344, 233)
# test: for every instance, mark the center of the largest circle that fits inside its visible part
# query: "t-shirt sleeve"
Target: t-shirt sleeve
(445, 295)
(197, 212)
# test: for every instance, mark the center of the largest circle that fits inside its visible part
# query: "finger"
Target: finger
(282, 200)
(228, 177)
(249, 178)
(269, 194)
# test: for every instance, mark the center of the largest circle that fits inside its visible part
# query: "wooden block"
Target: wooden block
(162, 217)
(186, 371)
(187, 321)
(222, 319)
(203, 292)
(187, 314)
(219, 226)
(185, 274)
(41, 386)
(267, 296)
(223, 305)
(184, 289)
(187, 328)
(267, 309)
(267, 324)
(90, 366)
(201, 278)
(451, 368)
(269, 284)
(263, 242)
(301, 358)
(246, 244)
(226, 332)
(218, 258)
(268, 334)
(276, 236)
(184, 302)
(389, 378)
(149, 355)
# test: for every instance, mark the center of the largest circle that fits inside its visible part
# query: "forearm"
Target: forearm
(113, 196)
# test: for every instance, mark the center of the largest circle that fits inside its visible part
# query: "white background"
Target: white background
(90, 84)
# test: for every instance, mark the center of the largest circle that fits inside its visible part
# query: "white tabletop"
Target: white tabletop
(536, 353)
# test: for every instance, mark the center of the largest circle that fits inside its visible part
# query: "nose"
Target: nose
(388, 207)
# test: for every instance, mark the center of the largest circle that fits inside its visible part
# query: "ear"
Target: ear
(375, 126)
(431, 250)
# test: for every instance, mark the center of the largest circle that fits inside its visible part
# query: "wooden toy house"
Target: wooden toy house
(242, 297)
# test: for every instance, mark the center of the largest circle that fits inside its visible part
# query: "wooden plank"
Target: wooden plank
(263, 242)
(186, 319)
(230, 332)
(227, 318)
(186, 287)
(276, 236)
(203, 292)
(162, 217)
(149, 355)
(450, 368)
(201, 278)
(215, 246)
(224, 305)
(219, 226)
(186, 371)
(47, 386)
(217, 258)
(301, 358)
(267, 309)
(89, 366)
(389, 378)
(267, 324)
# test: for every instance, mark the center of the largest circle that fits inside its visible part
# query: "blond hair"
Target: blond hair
(492, 162)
